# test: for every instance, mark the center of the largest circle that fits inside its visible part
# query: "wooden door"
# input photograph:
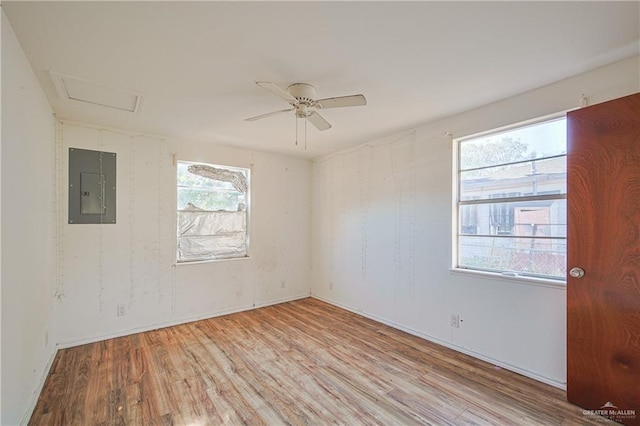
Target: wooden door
(603, 306)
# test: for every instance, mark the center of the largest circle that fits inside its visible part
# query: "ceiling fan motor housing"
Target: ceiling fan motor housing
(305, 93)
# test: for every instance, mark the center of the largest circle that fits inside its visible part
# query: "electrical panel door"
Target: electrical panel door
(92, 186)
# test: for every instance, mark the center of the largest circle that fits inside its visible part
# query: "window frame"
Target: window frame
(247, 255)
(537, 279)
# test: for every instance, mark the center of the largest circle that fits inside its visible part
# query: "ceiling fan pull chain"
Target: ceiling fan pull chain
(296, 131)
(305, 134)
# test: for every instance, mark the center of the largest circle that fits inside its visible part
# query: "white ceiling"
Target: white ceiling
(196, 62)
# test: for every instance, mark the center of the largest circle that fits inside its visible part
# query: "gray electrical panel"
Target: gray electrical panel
(92, 186)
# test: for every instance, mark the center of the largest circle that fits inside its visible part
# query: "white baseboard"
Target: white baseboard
(38, 390)
(155, 326)
(497, 362)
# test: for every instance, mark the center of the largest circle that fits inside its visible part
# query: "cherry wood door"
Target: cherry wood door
(603, 306)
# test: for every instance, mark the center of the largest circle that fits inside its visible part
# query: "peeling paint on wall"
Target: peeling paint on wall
(344, 186)
(161, 202)
(332, 215)
(59, 212)
(364, 184)
(132, 275)
(403, 172)
(100, 248)
(413, 215)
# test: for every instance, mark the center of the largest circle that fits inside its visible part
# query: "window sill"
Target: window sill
(542, 282)
(200, 262)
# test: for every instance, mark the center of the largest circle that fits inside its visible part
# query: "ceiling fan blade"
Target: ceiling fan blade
(342, 101)
(269, 114)
(318, 121)
(276, 90)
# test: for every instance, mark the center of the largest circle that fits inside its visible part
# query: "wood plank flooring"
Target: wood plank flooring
(302, 363)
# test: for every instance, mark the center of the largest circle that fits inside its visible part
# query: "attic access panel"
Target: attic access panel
(92, 186)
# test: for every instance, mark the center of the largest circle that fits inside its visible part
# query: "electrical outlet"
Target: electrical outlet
(46, 338)
(330, 285)
(283, 284)
(122, 310)
(455, 320)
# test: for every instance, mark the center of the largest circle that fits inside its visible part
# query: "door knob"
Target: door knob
(576, 272)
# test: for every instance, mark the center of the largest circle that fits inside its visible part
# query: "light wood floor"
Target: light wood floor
(303, 362)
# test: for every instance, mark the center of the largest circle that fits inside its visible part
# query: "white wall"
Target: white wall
(28, 335)
(381, 226)
(132, 262)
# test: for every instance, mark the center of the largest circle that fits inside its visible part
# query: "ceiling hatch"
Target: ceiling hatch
(81, 90)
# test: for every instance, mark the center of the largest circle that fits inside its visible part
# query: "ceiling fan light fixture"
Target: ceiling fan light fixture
(302, 111)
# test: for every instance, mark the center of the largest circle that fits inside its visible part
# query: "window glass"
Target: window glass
(512, 201)
(212, 212)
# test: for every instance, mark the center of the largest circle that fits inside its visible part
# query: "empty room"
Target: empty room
(319, 212)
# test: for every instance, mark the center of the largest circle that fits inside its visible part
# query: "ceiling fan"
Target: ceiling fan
(302, 98)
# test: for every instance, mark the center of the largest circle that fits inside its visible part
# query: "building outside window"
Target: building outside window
(213, 212)
(511, 201)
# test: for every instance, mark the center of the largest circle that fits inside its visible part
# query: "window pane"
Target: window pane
(212, 204)
(522, 255)
(202, 199)
(526, 235)
(535, 141)
(536, 177)
(544, 218)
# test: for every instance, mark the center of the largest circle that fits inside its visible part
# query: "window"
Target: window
(213, 208)
(511, 201)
